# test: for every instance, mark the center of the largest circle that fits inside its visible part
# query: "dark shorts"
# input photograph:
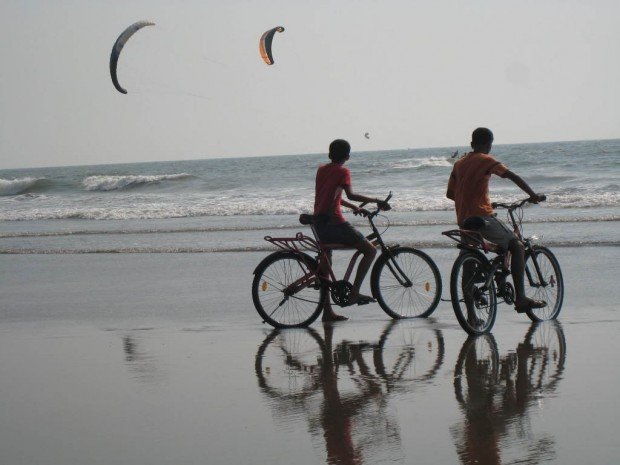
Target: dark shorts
(496, 231)
(341, 233)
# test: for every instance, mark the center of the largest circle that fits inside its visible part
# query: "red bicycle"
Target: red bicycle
(290, 286)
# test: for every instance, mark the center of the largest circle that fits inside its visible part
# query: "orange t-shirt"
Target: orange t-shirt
(470, 183)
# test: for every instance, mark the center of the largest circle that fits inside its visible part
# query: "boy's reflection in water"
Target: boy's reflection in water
(496, 393)
(338, 411)
(351, 381)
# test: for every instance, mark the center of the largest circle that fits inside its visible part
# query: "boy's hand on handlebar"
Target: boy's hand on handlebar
(361, 211)
(537, 198)
(383, 205)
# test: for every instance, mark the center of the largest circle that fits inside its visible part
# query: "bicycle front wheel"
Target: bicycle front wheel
(406, 283)
(543, 281)
(286, 291)
(473, 294)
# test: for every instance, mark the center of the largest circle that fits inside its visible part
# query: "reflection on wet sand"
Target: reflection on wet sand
(343, 389)
(497, 395)
(140, 363)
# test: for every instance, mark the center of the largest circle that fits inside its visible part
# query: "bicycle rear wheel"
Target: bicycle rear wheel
(286, 291)
(406, 283)
(474, 302)
(547, 286)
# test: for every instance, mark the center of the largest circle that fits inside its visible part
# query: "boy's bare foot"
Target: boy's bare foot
(528, 304)
(360, 299)
(333, 317)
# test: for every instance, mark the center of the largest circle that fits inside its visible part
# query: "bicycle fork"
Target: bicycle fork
(401, 277)
(541, 281)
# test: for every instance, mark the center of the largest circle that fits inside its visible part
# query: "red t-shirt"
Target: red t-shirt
(470, 183)
(330, 180)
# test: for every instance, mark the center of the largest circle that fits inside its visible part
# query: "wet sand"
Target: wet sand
(162, 359)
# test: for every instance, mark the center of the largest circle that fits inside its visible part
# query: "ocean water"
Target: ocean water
(231, 204)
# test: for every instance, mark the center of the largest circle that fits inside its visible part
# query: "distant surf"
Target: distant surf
(224, 204)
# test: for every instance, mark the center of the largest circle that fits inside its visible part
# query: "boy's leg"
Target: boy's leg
(498, 233)
(517, 267)
(522, 302)
(344, 233)
(328, 311)
(369, 252)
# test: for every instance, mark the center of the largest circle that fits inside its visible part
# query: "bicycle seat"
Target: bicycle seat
(474, 223)
(336, 246)
(307, 219)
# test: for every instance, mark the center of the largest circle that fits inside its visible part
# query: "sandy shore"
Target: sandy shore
(162, 359)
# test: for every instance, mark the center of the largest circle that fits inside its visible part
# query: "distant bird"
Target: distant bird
(367, 135)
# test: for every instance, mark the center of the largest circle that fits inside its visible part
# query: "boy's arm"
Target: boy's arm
(360, 198)
(534, 197)
(350, 205)
(450, 190)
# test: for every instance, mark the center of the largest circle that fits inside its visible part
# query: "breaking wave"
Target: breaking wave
(113, 183)
(21, 185)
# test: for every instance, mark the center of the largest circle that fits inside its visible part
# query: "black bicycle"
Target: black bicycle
(290, 286)
(478, 284)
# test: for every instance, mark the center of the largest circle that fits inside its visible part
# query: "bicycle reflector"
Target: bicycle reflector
(264, 286)
(427, 286)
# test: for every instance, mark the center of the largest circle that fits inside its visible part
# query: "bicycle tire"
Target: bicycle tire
(552, 291)
(480, 317)
(283, 359)
(408, 355)
(547, 345)
(416, 301)
(478, 363)
(272, 276)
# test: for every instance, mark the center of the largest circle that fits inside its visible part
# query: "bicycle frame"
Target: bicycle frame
(302, 243)
(473, 240)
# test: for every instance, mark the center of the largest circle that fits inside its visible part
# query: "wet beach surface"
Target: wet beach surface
(161, 359)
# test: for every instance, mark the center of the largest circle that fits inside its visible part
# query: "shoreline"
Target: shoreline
(267, 249)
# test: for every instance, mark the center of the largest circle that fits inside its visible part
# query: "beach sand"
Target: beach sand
(162, 359)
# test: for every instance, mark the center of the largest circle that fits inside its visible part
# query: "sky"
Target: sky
(411, 73)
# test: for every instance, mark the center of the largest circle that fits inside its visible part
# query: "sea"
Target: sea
(231, 204)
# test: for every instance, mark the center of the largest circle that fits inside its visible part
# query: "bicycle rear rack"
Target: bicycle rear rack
(471, 240)
(296, 244)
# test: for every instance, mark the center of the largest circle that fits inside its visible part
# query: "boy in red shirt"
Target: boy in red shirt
(469, 188)
(331, 180)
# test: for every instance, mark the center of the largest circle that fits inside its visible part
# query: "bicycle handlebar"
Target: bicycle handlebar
(517, 204)
(377, 210)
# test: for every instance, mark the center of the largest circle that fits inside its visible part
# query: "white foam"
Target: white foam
(585, 200)
(111, 183)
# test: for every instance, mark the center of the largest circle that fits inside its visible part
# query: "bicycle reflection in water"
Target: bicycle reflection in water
(496, 395)
(343, 390)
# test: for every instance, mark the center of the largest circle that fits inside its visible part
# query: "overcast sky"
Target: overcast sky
(411, 73)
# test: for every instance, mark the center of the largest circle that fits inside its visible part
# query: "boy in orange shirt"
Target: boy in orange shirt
(469, 188)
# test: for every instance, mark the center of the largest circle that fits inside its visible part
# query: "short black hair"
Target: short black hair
(339, 150)
(481, 136)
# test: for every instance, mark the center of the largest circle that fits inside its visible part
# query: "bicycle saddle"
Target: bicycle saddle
(474, 223)
(307, 219)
